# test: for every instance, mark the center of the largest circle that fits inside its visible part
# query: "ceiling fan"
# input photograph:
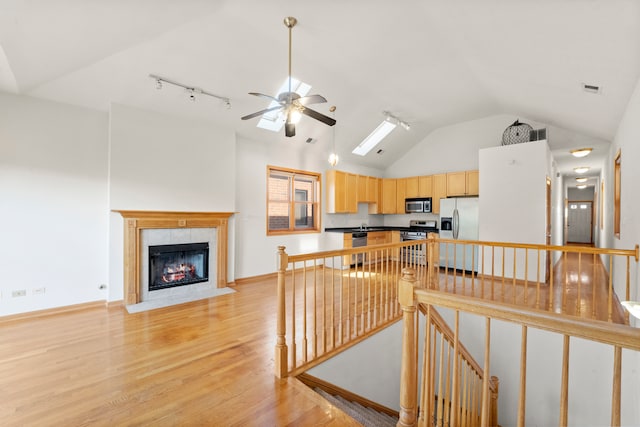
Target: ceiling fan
(291, 103)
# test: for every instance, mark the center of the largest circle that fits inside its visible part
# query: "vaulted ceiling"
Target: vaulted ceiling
(431, 63)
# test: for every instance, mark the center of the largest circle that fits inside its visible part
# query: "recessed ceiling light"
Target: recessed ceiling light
(581, 152)
(581, 169)
(581, 186)
(581, 179)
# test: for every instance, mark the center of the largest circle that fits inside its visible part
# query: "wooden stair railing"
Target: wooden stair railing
(453, 384)
(326, 305)
(411, 297)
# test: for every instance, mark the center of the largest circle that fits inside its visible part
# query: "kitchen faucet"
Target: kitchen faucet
(363, 226)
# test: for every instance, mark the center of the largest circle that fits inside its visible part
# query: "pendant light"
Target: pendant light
(333, 157)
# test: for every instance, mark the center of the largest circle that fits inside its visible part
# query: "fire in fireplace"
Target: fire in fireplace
(178, 265)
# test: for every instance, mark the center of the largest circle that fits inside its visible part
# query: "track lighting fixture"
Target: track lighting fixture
(190, 89)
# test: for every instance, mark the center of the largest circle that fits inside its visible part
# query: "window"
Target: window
(293, 201)
(616, 195)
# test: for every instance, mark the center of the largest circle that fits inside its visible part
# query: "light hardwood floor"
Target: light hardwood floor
(205, 363)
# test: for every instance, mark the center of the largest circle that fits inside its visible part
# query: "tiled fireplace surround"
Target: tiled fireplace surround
(137, 222)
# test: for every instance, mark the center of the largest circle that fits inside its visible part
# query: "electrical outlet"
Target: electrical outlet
(37, 291)
(19, 293)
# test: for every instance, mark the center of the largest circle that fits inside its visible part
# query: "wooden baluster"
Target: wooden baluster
(526, 273)
(294, 329)
(482, 274)
(455, 386)
(304, 313)
(446, 400)
(314, 324)
(610, 299)
(578, 305)
(427, 397)
(485, 416)
(564, 389)
(594, 263)
(440, 406)
(627, 288)
(324, 305)
(538, 282)
(565, 283)
(409, 371)
(616, 393)
(523, 378)
(513, 277)
(463, 403)
(504, 254)
(281, 324)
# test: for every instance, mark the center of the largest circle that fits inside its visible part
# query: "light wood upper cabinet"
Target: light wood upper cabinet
(439, 191)
(473, 183)
(425, 186)
(388, 196)
(412, 187)
(401, 194)
(362, 188)
(373, 189)
(463, 183)
(341, 192)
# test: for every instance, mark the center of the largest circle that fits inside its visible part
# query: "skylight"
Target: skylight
(274, 120)
(374, 138)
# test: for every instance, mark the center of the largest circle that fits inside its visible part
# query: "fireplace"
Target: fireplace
(181, 225)
(178, 265)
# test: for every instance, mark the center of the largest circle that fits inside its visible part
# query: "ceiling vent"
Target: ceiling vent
(590, 88)
(538, 134)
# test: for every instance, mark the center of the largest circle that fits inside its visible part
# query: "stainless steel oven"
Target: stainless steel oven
(418, 230)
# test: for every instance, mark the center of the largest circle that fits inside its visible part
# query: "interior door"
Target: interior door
(579, 222)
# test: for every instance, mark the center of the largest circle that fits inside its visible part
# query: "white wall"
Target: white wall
(513, 200)
(53, 209)
(453, 148)
(159, 162)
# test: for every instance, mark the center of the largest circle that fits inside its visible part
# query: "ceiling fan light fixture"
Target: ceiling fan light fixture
(581, 152)
(581, 169)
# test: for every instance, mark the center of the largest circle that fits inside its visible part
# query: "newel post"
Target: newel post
(281, 357)
(433, 260)
(409, 369)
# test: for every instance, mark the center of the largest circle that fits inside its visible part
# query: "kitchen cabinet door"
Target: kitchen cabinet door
(388, 196)
(373, 189)
(351, 192)
(473, 183)
(439, 191)
(401, 194)
(341, 192)
(463, 183)
(456, 184)
(425, 186)
(412, 185)
(362, 188)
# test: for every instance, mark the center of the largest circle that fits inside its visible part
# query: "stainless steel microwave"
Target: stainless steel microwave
(418, 204)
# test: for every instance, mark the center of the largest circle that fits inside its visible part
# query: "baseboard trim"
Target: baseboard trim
(333, 389)
(53, 311)
(268, 276)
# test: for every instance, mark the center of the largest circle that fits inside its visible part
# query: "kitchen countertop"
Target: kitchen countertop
(368, 229)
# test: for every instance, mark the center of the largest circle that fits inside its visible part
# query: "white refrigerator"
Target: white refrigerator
(459, 221)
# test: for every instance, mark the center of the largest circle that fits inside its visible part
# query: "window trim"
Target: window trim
(317, 203)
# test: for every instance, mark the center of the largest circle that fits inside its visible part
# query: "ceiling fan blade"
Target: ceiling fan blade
(289, 129)
(318, 116)
(265, 96)
(311, 99)
(259, 113)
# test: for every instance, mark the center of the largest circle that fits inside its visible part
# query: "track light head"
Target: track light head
(158, 84)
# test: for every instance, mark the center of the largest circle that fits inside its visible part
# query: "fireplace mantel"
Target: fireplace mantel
(136, 221)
